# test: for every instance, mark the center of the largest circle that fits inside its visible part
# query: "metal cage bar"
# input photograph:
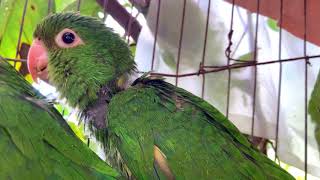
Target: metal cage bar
(305, 92)
(280, 81)
(228, 54)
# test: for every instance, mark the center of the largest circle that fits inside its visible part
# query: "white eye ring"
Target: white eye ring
(67, 38)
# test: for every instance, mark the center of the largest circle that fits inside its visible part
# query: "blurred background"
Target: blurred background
(256, 61)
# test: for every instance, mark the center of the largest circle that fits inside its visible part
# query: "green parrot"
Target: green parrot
(314, 109)
(35, 141)
(150, 129)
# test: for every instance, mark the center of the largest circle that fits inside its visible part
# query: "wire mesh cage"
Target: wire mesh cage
(264, 73)
(246, 58)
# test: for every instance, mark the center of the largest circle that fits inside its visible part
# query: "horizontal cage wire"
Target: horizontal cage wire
(132, 27)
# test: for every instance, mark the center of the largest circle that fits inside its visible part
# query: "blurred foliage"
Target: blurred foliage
(11, 19)
(247, 57)
(168, 58)
(29, 78)
(273, 25)
(87, 7)
(133, 48)
(78, 130)
(127, 4)
(314, 109)
(63, 110)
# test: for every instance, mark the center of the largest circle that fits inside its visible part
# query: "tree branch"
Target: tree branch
(141, 5)
(23, 52)
(122, 16)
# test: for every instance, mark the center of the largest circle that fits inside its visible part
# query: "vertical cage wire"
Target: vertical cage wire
(49, 6)
(20, 31)
(105, 4)
(78, 5)
(255, 68)
(180, 41)
(305, 91)
(128, 30)
(280, 81)
(228, 53)
(155, 35)
(204, 69)
(205, 48)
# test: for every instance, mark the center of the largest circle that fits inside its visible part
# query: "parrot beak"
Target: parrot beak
(38, 61)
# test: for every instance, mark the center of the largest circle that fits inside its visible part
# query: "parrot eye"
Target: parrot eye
(67, 38)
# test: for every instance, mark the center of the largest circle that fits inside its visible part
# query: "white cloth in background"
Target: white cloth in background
(291, 124)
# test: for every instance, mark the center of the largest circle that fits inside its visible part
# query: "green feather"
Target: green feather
(35, 141)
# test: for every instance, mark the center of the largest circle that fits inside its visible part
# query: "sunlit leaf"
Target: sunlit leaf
(78, 130)
(127, 4)
(314, 109)
(10, 22)
(133, 48)
(28, 78)
(247, 56)
(87, 7)
(63, 110)
(273, 25)
(168, 58)
(60, 5)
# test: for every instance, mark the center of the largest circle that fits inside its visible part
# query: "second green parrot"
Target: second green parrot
(35, 141)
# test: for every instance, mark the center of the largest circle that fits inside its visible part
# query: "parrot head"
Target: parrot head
(78, 55)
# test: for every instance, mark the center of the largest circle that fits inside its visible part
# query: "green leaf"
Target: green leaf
(60, 5)
(169, 58)
(244, 58)
(63, 110)
(314, 109)
(78, 130)
(247, 57)
(29, 78)
(127, 4)
(87, 7)
(273, 25)
(133, 48)
(10, 20)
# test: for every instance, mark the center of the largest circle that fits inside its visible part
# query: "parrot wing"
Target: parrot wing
(164, 131)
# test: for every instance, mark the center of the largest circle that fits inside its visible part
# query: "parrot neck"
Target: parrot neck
(96, 112)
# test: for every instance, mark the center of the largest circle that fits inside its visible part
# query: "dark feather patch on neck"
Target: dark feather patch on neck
(96, 113)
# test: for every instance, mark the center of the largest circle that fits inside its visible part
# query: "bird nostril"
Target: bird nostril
(43, 68)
